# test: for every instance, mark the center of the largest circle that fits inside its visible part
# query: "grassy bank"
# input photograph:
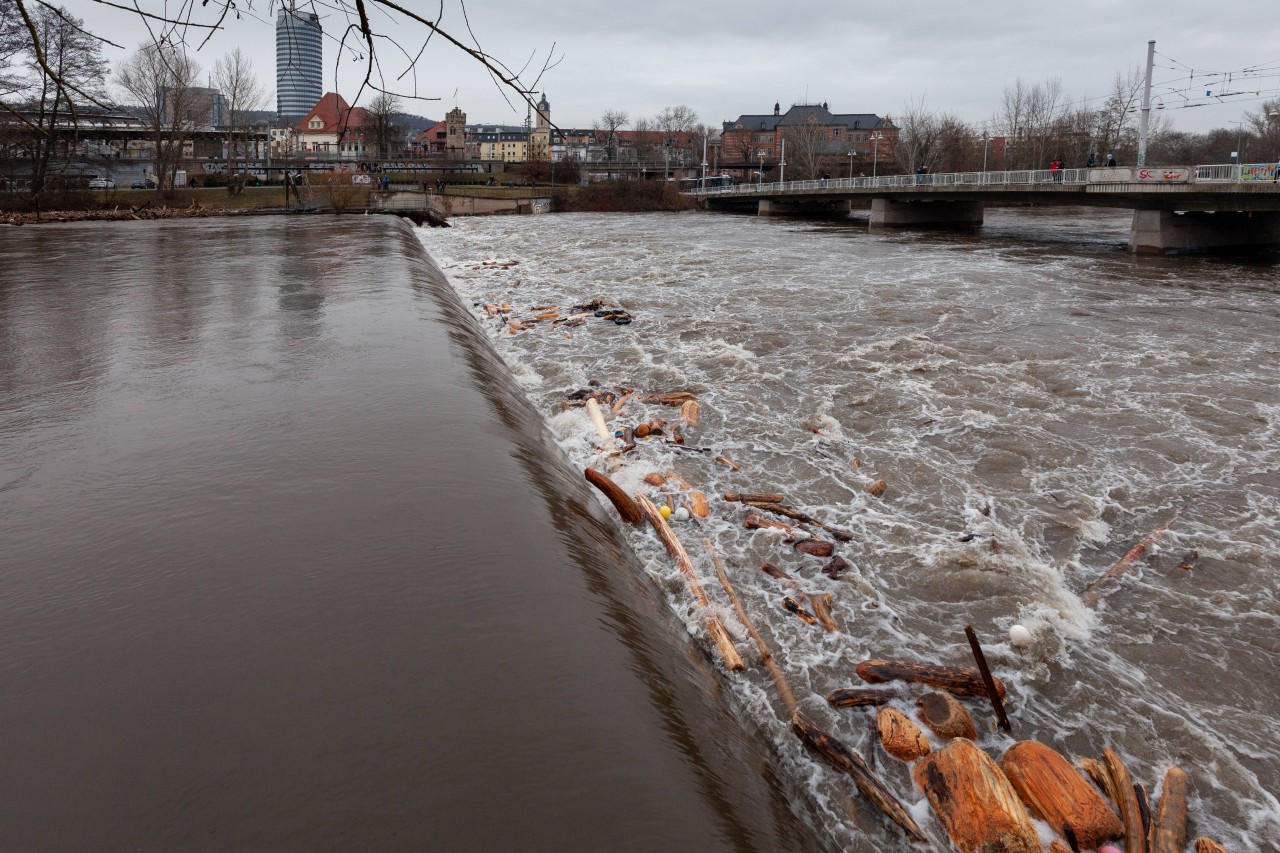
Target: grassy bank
(621, 197)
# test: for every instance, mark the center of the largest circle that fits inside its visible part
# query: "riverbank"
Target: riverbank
(122, 205)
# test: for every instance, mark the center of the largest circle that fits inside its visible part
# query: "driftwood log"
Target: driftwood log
(814, 547)
(689, 412)
(1089, 598)
(717, 631)
(839, 755)
(756, 522)
(1056, 793)
(597, 418)
(1135, 838)
(697, 500)
(960, 680)
(945, 716)
(821, 606)
(850, 763)
(677, 399)
(1204, 845)
(620, 499)
(1056, 846)
(1095, 770)
(728, 463)
(774, 572)
(974, 801)
(790, 605)
(900, 737)
(802, 517)
(859, 697)
(756, 497)
(1169, 828)
(655, 479)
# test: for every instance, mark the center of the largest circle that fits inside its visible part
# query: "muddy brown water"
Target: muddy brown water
(289, 562)
(1037, 399)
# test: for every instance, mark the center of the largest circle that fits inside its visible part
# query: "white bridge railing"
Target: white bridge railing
(1255, 173)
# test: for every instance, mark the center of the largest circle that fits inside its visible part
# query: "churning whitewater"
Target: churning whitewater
(1037, 401)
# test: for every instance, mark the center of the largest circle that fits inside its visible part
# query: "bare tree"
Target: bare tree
(69, 59)
(388, 137)
(161, 82)
(389, 39)
(339, 190)
(643, 146)
(244, 94)
(608, 125)
(806, 143)
(917, 136)
(1265, 123)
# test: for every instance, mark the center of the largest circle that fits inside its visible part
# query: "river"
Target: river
(1037, 401)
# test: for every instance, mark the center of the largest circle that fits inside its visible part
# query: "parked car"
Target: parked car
(101, 184)
(148, 184)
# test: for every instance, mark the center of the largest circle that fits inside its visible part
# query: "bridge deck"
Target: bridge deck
(1172, 188)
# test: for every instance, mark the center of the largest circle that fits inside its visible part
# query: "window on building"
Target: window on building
(836, 133)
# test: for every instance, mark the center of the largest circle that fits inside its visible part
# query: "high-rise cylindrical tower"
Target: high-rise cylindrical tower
(299, 63)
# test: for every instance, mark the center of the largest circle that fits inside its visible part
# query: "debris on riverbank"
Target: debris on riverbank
(143, 213)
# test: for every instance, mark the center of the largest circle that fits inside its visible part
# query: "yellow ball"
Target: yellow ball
(664, 511)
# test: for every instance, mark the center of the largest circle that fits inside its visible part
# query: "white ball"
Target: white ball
(681, 514)
(1019, 636)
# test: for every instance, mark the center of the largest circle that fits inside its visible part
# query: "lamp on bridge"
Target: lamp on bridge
(852, 151)
(760, 174)
(986, 137)
(875, 151)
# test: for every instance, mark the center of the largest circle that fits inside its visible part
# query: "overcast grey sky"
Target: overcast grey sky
(728, 58)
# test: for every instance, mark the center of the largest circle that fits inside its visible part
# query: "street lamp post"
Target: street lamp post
(875, 152)
(760, 174)
(704, 164)
(985, 140)
(851, 153)
(782, 163)
(1236, 156)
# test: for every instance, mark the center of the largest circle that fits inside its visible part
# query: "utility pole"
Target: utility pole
(1145, 121)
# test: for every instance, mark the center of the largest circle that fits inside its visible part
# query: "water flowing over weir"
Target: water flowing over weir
(290, 563)
(1037, 400)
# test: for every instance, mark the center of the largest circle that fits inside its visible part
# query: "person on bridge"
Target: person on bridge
(1091, 162)
(1111, 161)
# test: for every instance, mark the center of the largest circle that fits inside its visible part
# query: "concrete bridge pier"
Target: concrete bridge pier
(891, 213)
(1161, 231)
(772, 207)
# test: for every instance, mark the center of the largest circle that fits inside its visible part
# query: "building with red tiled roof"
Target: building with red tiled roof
(432, 141)
(334, 128)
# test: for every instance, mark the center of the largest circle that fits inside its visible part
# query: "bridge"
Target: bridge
(1176, 208)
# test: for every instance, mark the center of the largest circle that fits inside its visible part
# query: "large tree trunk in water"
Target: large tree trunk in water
(1056, 793)
(849, 762)
(717, 631)
(1135, 838)
(974, 801)
(1169, 827)
(900, 737)
(960, 680)
(621, 500)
